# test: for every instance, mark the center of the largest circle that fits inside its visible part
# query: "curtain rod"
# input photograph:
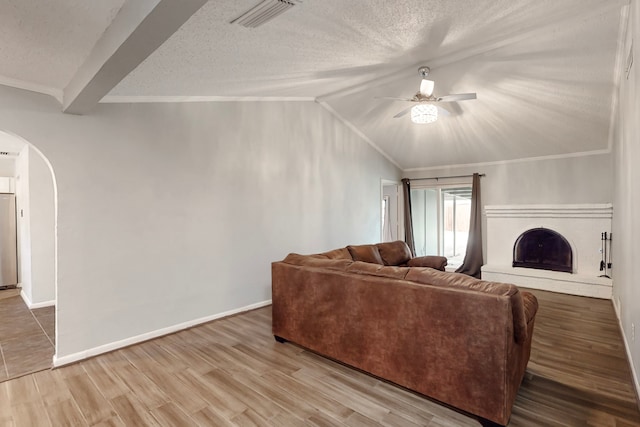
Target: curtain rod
(443, 177)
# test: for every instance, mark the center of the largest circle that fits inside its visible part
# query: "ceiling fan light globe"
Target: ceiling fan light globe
(426, 87)
(424, 113)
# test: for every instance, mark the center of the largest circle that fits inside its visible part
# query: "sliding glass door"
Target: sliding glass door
(441, 221)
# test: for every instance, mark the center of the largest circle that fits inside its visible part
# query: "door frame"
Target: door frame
(399, 209)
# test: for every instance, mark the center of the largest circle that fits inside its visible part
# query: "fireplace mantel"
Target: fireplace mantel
(604, 210)
(582, 226)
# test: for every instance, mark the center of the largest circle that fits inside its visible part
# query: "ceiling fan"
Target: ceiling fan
(425, 110)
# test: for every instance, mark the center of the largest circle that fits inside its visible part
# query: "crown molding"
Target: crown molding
(32, 87)
(116, 99)
(521, 160)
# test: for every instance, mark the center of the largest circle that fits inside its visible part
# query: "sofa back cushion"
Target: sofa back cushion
(394, 253)
(315, 261)
(431, 261)
(440, 278)
(365, 253)
(430, 276)
(341, 253)
(389, 271)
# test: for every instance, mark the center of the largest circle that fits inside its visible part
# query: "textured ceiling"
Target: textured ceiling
(43, 42)
(323, 46)
(543, 69)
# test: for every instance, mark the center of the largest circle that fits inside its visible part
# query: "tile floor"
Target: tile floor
(27, 337)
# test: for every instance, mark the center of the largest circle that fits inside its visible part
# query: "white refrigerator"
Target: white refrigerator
(8, 241)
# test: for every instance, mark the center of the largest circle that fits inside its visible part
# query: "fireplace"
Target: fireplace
(543, 249)
(535, 228)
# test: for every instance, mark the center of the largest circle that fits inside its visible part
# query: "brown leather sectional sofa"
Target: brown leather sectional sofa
(459, 340)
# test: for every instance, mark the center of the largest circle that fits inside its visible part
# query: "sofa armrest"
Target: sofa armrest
(432, 261)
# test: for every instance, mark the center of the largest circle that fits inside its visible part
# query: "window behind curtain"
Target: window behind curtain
(441, 221)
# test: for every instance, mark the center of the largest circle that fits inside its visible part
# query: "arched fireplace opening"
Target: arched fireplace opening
(543, 249)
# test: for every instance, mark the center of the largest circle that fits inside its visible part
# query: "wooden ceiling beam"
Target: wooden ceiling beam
(139, 28)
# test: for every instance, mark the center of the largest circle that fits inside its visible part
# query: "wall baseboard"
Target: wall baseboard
(75, 357)
(32, 305)
(634, 373)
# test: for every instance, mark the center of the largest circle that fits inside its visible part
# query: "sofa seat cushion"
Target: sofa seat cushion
(394, 253)
(392, 272)
(365, 253)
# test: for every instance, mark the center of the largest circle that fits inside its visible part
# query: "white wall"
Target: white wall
(568, 180)
(626, 227)
(571, 180)
(173, 212)
(7, 166)
(42, 230)
(23, 224)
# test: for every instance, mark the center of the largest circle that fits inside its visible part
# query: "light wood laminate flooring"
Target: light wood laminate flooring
(26, 336)
(232, 372)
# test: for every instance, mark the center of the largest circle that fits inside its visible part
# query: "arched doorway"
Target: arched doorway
(28, 297)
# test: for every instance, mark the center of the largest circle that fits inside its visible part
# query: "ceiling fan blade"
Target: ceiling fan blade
(457, 97)
(394, 98)
(443, 111)
(402, 113)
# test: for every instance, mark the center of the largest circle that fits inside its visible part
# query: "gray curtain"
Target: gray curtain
(473, 258)
(408, 221)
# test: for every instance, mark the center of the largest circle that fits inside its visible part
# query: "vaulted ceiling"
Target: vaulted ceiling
(544, 70)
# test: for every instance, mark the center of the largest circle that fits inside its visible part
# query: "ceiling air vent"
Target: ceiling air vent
(264, 12)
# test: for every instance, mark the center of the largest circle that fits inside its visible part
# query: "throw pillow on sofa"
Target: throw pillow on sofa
(365, 253)
(394, 253)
